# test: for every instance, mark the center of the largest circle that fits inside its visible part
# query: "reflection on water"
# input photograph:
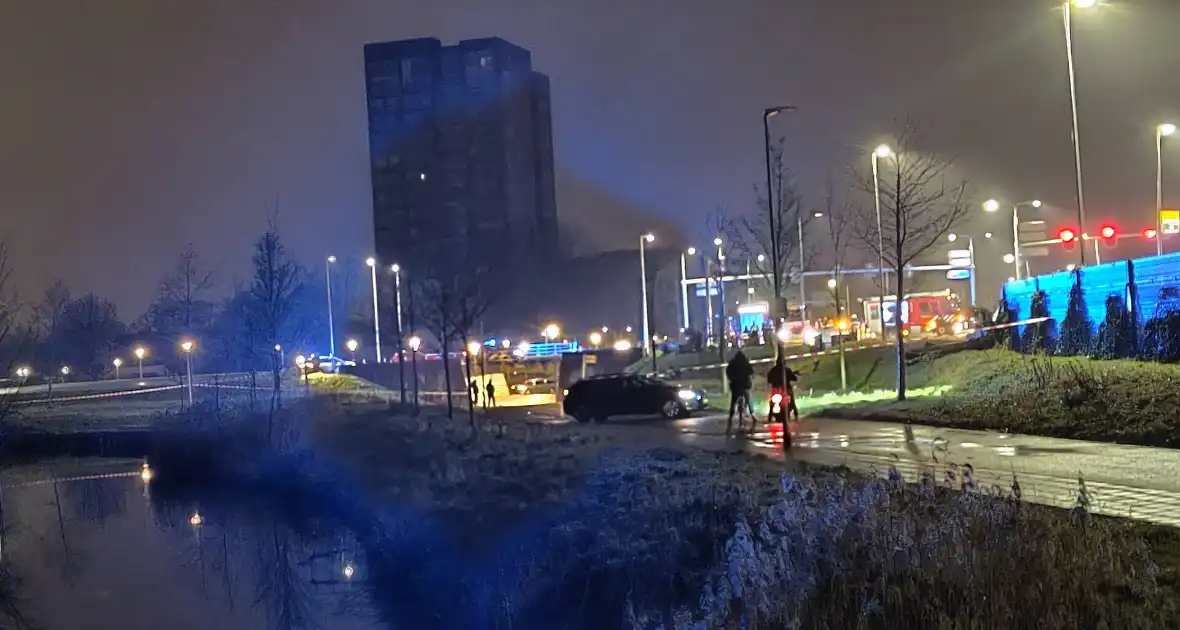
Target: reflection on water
(90, 548)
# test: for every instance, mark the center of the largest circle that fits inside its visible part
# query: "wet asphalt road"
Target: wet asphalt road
(1127, 481)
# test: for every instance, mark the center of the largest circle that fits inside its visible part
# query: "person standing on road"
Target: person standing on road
(740, 375)
(490, 394)
(474, 392)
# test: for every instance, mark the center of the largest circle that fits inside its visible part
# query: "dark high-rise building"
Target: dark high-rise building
(461, 148)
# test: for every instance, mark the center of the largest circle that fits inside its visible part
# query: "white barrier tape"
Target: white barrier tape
(131, 392)
(806, 355)
(43, 482)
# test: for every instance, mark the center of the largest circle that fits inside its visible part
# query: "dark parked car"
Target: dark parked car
(600, 397)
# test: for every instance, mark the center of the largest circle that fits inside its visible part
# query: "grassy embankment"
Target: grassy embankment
(1072, 397)
(583, 525)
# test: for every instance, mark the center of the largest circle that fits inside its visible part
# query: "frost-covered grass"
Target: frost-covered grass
(588, 527)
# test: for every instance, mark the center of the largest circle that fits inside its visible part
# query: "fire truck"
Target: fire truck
(938, 313)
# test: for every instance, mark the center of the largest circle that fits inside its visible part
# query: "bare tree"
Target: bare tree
(274, 288)
(88, 332)
(762, 236)
(921, 202)
(179, 307)
(450, 306)
(840, 216)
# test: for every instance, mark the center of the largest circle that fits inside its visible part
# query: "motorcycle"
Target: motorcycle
(779, 406)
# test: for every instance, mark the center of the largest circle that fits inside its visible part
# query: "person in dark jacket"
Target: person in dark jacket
(781, 377)
(740, 375)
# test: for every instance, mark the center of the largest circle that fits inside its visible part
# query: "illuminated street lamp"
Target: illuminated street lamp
(415, 343)
(992, 205)
(644, 240)
(881, 152)
(187, 346)
(118, 363)
(140, 353)
(1009, 259)
(401, 347)
(352, 345)
(23, 372)
(65, 370)
(1161, 132)
(331, 325)
(596, 338)
(691, 251)
(473, 348)
(1067, 14)
(551, 332)
(372, 263)
(767, 114)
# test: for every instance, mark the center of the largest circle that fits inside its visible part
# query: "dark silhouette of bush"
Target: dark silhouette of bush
(1077, 332)
(1036, 337)
(1161, 338)
(1116, 333)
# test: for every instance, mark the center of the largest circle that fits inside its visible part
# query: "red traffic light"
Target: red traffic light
(1067, 235)
(1107, 232)
(1150, 233)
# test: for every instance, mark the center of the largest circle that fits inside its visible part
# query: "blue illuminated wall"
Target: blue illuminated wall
(1138, 281)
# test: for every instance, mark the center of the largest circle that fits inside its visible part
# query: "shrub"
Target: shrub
(1036, 337)
(1116, 333)
(1076, 332)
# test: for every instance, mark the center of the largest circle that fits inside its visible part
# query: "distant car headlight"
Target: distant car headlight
(687, 394)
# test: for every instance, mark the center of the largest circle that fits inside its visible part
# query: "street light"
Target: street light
(401, 350)
(352, 345)
(1161, 131)
(691, 251)
(767, 114)
(187, 346)
(1067, 13)
(331, 325)
(802, 266)
(1009, 259)
(118, 363)
(140, 353)
(372, 263)
(723, 329)
(647, 343)
(551, 332)
(65, 370)
(991, 205)
(415, 343)
(23, 372)
(882, 151)
(596, 338)
(473, 348)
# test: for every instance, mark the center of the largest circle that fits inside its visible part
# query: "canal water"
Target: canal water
(85, 544)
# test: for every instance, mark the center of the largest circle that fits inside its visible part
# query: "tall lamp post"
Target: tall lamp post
(1067, 11)
(803, 267)
(991, 205)
(187, 346)
(118, 363)
(648, 342)
(882, 151)
(352, 345)
(767, 114)
(140, 352)
(1161, 131)
(415, 344)
(331, 326)
(401, 345)
(723, 329)
(372, 263)
(691, 251)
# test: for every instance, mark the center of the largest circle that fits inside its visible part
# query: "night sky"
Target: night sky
(126, 133)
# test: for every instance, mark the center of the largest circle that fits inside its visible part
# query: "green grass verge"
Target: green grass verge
(1071, 397)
